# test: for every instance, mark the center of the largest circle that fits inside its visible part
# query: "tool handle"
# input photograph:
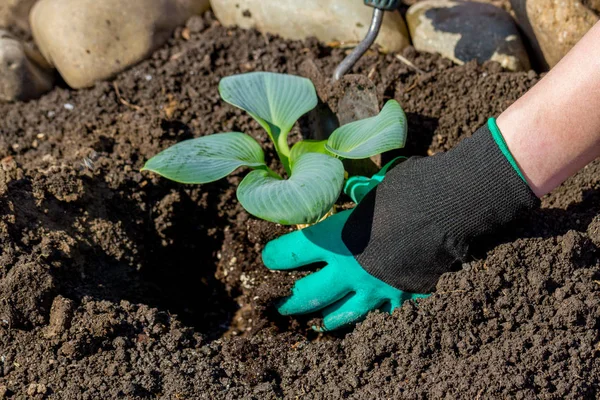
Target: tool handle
(386, 5)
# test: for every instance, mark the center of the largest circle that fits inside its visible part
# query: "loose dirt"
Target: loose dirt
(116, 283)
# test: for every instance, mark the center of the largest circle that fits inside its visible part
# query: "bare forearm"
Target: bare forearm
(554, 130)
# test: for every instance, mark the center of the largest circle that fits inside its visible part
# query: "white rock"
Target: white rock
(23, 73)
(91, 40)
(327, 20)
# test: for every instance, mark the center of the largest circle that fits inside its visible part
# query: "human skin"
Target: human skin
(554, 129)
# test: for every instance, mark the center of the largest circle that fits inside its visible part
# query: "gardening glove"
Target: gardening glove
(406, 232)
(343, 289)
(358, 186)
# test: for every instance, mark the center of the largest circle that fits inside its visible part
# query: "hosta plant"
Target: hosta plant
(315, 173)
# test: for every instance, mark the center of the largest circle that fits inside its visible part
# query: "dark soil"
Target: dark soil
(115, 283)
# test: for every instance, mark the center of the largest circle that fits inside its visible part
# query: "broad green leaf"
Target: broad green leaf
(276, 101)
(371, 136)
(305, 197)
(308, 146)
(208, 158)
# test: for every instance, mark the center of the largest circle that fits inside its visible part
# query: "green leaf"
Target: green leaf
(276, 101)
(305, 197)
(308, 146)
(208, 158)
(371, 136)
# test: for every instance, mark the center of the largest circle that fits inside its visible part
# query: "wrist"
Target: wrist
(540, 159)
(499, 139)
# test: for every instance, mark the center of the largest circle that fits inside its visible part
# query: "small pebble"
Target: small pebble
(69, 106)
(32, 389)
(41, 388)
(148, 77)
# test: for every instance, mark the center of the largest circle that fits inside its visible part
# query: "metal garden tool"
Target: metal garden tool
(379, 7)
(360, 97)
(356, 94)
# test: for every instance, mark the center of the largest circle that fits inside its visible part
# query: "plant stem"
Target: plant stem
(283, 151)
(271, 173)
(331, 212)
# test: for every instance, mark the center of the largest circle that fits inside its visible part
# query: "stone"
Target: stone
(91, 40)
(466, 30)
(553, 27)
(327, 20)
(24, 74)
(61, 315)
(195, 7)
(36, 388)
(3, 392)
(359, 102)
(353, 97)
(15, 13)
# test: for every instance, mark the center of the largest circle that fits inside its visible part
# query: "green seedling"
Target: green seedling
(314, 168)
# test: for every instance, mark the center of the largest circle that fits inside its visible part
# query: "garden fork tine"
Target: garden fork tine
(380, 6)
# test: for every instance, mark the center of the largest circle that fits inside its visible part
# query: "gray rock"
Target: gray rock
(24, 75)
(466, 30)
(15, 13)
(553, 27)
(92, 40)
(327, 20)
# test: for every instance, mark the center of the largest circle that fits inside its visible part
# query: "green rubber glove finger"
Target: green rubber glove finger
(291, 251)
(349, 311)
(357, 187)
(310, 245)
(342, 275)
(315, 291)
(397, 301)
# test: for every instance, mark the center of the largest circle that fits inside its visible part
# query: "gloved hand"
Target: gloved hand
(342, 289)
(406, 232)
(358, 186)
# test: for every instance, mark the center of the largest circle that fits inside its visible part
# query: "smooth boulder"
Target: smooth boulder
(24, 75)
(327, 20)
(553, 27)
(467, 30)
(91, 40)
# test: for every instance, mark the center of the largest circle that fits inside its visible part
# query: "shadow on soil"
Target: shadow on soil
(550, 222)
(102, 245)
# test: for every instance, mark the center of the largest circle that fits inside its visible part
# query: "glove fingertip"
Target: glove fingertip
(268, 255)
(276, 257)
(288, 306)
